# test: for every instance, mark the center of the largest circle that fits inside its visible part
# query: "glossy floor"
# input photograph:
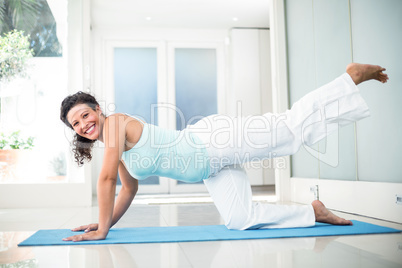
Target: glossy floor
(337, 251)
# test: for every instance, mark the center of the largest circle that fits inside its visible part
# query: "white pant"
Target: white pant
(233, 141)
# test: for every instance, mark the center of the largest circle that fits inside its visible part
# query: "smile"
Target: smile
(90, 130)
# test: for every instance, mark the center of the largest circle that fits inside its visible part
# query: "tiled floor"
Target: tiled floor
(338, 251)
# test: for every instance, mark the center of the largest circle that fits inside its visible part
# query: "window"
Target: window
(31, 105)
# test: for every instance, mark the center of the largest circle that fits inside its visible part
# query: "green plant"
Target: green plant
(14, 141)
(14, 53)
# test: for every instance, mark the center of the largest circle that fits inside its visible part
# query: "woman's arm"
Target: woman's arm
(123, 201)
(129, 188)
(114, 139)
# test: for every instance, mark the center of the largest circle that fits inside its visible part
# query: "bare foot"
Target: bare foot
(322, 214)
(363, 72)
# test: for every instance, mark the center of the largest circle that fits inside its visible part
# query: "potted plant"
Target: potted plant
(13, 150)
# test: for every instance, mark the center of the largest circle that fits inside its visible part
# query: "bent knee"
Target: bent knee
(238, 221)
(235, 226)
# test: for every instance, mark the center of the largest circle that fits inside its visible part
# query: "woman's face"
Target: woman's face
(85, 121)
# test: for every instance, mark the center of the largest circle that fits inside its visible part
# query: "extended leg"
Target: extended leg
(310, 119)
(235, 140)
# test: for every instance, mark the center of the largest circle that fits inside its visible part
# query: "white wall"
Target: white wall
(323, 37)
(250, 85)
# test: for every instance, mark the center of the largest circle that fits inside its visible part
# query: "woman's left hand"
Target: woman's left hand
(94, 235)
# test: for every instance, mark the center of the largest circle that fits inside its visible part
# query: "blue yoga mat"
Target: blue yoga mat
(201, 233)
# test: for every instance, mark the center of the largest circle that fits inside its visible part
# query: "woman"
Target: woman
(213, 150)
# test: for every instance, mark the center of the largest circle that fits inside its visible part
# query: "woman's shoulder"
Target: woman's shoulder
(125, 117)
(121, 118)
(131, 126)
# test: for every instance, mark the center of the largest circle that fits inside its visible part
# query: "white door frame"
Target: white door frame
(279, 87)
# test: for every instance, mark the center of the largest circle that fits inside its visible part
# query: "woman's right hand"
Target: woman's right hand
(86, 228)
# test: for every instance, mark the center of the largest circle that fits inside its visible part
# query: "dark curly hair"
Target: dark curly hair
(82, 147)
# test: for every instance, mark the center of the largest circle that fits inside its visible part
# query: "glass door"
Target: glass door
(136, 76)
(137, 83)
(170, 87)
(193, 82)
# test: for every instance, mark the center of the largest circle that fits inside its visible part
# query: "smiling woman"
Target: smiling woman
(82, 114)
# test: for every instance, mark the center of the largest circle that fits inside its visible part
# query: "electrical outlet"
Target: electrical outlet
(398, 199)
(314, 189)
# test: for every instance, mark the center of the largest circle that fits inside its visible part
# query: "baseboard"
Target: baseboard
(372, 199)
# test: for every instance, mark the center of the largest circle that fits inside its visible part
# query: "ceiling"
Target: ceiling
(193, 14)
